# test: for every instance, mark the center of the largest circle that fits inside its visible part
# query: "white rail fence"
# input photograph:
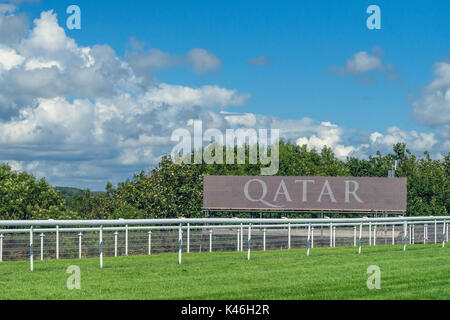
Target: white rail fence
(87, 238)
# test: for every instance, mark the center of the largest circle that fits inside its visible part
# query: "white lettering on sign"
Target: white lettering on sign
(305, 188)
(351, 188)
(263, 194)
(348, 192)
(285, 192)
(329, 193)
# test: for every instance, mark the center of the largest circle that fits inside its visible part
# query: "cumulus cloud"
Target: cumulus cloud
(48, 37)
(206, 96)
(9, 59)
(83, 115)
(236, 119)
(202, 60)
(417, 141)
(330, 135)
(363, 64)
(363, 144)
(433, 109)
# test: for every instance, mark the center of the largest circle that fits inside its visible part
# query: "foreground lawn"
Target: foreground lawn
(422, 272)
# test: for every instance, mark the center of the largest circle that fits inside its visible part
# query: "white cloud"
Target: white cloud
(206, 96)
(118, 121)
(52, 120)
(417, 141)
(362, 62)
(374, 136)
(202, 60)
(433, 109)
(330, 135)
(9, 59)
(34, 64)
(48, 35)
(247, 119)
(22, 166)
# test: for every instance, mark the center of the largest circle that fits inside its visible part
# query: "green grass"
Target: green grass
(422, 272)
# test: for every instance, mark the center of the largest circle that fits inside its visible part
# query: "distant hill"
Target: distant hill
(69, 192)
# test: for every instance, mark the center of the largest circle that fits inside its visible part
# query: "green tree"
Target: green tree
(23, 197)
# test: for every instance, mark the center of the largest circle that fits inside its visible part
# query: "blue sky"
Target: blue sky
(307, 47)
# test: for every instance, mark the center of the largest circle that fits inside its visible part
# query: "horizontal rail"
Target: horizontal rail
(207, 227)
(182, 221)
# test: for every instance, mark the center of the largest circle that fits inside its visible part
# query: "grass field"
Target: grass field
(422, 272)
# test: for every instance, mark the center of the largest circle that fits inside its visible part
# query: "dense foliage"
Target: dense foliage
(173, 190)
(24, 197)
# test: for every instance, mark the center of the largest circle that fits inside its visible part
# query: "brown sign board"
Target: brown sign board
(304, 193)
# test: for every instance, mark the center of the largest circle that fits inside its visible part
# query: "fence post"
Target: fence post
(149, 242)
(424, 234)
(413, 234)
(31, 250)
(210, 240)
(443, 234)
(264, 239)
(375, 235)
(249, 243)
(126, 240)
(435, 231)
(188, 238)
(354, 236)
(57, 242)
(289, 235)
(116, 233)
(370, 233)
(79, 244)
(334, 236)
(405, 234)
(312, 237)
(238, 247)
(308, 242)
(1, 247)
(393, 234)
(42, 246)
(100, 247)
(360, 238)
(447, 231)
(180, 244)
(242, 237)
(331, 234)
(410, 234)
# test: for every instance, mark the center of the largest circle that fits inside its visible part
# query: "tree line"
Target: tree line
(176, 190)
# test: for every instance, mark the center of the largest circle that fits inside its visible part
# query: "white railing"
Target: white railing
(303, 227)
